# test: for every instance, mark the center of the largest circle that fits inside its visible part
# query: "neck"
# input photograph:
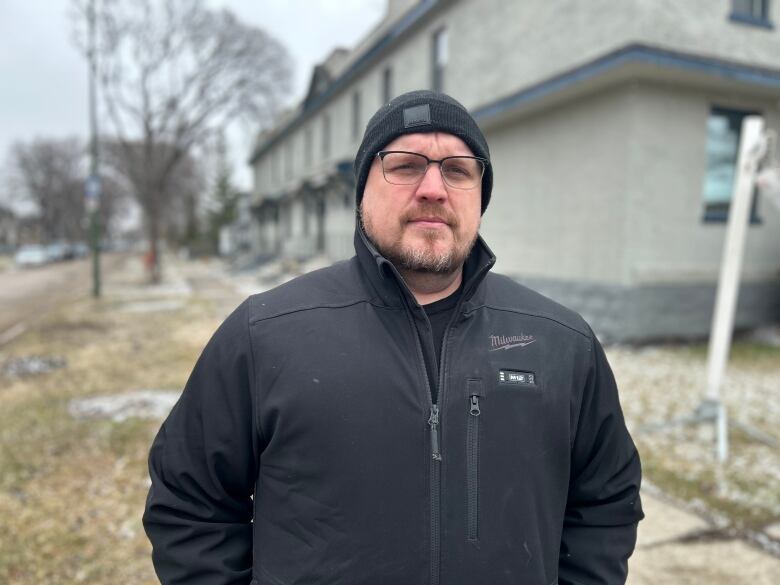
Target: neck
(428, 288)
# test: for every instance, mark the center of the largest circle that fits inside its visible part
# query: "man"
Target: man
(404, 417)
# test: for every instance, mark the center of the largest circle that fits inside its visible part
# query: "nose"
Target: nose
(432, 185)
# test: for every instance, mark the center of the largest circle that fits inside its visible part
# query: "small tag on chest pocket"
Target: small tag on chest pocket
(516, 378)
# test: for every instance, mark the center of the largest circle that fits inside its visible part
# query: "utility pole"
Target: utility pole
(728, 283)
(755, 142)
(92, 187)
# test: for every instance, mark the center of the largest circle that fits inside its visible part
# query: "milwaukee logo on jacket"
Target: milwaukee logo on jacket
(307, 447)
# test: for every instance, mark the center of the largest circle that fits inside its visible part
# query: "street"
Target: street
(30, 293)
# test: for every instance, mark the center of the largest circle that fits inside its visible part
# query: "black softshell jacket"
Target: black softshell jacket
(306, 448)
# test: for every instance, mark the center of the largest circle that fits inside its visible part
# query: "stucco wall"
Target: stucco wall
(669, 240)
(499, 47)
(557, 208)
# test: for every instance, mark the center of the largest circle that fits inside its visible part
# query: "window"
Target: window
(307, 146)
(387, 85)
(288, 160)
(755, 12)
(356, 115)
(325, 136)
(307, 211)
(440, 57)
(275, 160)
(723, 131)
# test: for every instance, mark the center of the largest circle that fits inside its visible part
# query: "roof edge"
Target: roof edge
(630, 55)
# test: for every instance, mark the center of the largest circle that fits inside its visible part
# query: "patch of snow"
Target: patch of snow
(32, 365)
(151, 404)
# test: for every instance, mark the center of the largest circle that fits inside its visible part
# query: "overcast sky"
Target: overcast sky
(43, 80)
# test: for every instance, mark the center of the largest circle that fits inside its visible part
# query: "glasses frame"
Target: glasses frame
(383, 153)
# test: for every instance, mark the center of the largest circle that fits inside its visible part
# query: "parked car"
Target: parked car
(80, 250)
(57, 251)
(31, 256)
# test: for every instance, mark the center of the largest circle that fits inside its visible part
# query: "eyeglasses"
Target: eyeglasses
(408, 168)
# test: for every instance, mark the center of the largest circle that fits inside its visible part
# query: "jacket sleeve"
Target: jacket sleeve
(603, 507)
(203, 465)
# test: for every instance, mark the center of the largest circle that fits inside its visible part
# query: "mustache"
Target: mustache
(430, 210)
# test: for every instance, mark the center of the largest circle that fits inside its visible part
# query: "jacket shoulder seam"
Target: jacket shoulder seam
(532, 314)
(343, 305)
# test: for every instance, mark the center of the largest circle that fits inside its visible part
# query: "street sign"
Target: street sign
(92, 193)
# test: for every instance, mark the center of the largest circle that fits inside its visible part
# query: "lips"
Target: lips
(429, 220)
(430, 216)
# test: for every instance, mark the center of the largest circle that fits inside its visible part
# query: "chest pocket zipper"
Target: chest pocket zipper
(472, 460)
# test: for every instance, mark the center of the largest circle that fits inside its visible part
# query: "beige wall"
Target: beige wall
(608, 189)
(499, 47)
(560, 186)
(669, 240)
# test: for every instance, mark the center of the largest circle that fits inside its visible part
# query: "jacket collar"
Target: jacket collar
(390, 286)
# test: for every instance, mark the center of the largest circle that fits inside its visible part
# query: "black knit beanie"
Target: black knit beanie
(420, 111)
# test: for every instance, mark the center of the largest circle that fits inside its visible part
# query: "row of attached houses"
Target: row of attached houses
(613, 129)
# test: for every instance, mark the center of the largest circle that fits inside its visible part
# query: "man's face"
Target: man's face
(429, 226)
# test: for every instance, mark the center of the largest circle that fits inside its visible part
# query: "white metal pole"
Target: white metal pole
(728, 283)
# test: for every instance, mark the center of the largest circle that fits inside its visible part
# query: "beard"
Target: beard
(422, 258)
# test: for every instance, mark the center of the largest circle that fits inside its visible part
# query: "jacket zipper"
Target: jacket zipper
(434, 424)
(433, 421)
(472, 469)
(435, 461)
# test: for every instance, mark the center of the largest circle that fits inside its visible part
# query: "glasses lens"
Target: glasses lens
(462, 172)
(403, 168)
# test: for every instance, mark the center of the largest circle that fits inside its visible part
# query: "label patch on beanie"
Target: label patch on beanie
(417, 116)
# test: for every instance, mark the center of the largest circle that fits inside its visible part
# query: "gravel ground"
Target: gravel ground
(663, 383)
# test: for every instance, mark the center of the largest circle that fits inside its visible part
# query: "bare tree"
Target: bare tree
(48, 175)
(171, 72)
(177, 203)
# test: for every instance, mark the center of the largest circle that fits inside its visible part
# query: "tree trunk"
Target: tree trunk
(152, 260)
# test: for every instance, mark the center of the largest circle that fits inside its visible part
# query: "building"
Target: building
(613, 129)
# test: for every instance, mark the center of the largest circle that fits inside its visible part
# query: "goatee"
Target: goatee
(422, 259)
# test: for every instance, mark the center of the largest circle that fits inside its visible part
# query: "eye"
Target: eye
(460, 168)
(399, 162)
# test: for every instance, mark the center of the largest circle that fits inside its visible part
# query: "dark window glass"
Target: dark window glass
(387, 84)
(275, 165)
(724, 127)
(288, 160)
(755, 9)
(326, 135)
(751, 12)
(307, 146)
(356, 115)
(440, 55)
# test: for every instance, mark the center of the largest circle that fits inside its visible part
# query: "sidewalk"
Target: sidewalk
(679, 548)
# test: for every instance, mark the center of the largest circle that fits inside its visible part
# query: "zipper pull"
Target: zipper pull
(474, 410)
(433, 421)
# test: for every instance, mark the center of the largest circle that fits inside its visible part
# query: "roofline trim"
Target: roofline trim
(630, 55)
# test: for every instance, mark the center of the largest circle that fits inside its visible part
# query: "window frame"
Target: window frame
(387, 84)
(741, 16)
(439, 58)
(325, 143)
(718, 213)
(308, 146)
(356, 106)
